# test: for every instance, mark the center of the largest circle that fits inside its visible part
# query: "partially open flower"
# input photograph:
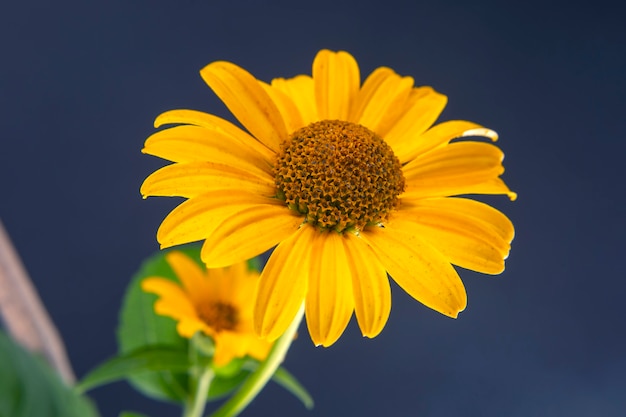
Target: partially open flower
(217, 302)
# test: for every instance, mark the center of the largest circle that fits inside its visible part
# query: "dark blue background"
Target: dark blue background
(81, 82)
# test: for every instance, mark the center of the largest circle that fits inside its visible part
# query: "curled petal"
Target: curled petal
(441, 134)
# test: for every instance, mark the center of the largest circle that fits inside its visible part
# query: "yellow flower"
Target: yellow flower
(216, 302)
(350, 182)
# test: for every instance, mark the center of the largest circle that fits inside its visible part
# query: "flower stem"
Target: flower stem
(195, 407)
(257, 380)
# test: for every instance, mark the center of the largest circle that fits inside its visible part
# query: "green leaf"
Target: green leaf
(231, 368)
(140, 327)
(29, 387)
(289, 382)
(221, 386)
(255, 264)
(131, 414)
(136, 363)
(286, 380)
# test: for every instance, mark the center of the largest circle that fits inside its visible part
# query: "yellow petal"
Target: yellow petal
(235, 285)
(454, 167)
(493, 186)
(336, 77)
(283, 284)
(222, 283)
(248, 233)
(329, 299)
(259, 348)
(248, 102)
(215, 124)
(457, 159)
(370, 86)
(370, 285)
(230, 345)
(173, 302)
(188, 326)
(466, 241)
(191, 179)
(301, 90)
(193, 143)
(479, 212)
(226, 279)
(442, 134)
(196, 218)
(420, 270)
(189, 274)
(385, 104)
(289, 111)
(426, 107)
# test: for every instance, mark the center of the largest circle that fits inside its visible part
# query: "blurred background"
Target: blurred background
(81, 83)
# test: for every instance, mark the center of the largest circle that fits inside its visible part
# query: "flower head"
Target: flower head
(349, 181)
(213, 301)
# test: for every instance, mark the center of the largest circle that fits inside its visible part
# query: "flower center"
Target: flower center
(340, 175)
(219, 316)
